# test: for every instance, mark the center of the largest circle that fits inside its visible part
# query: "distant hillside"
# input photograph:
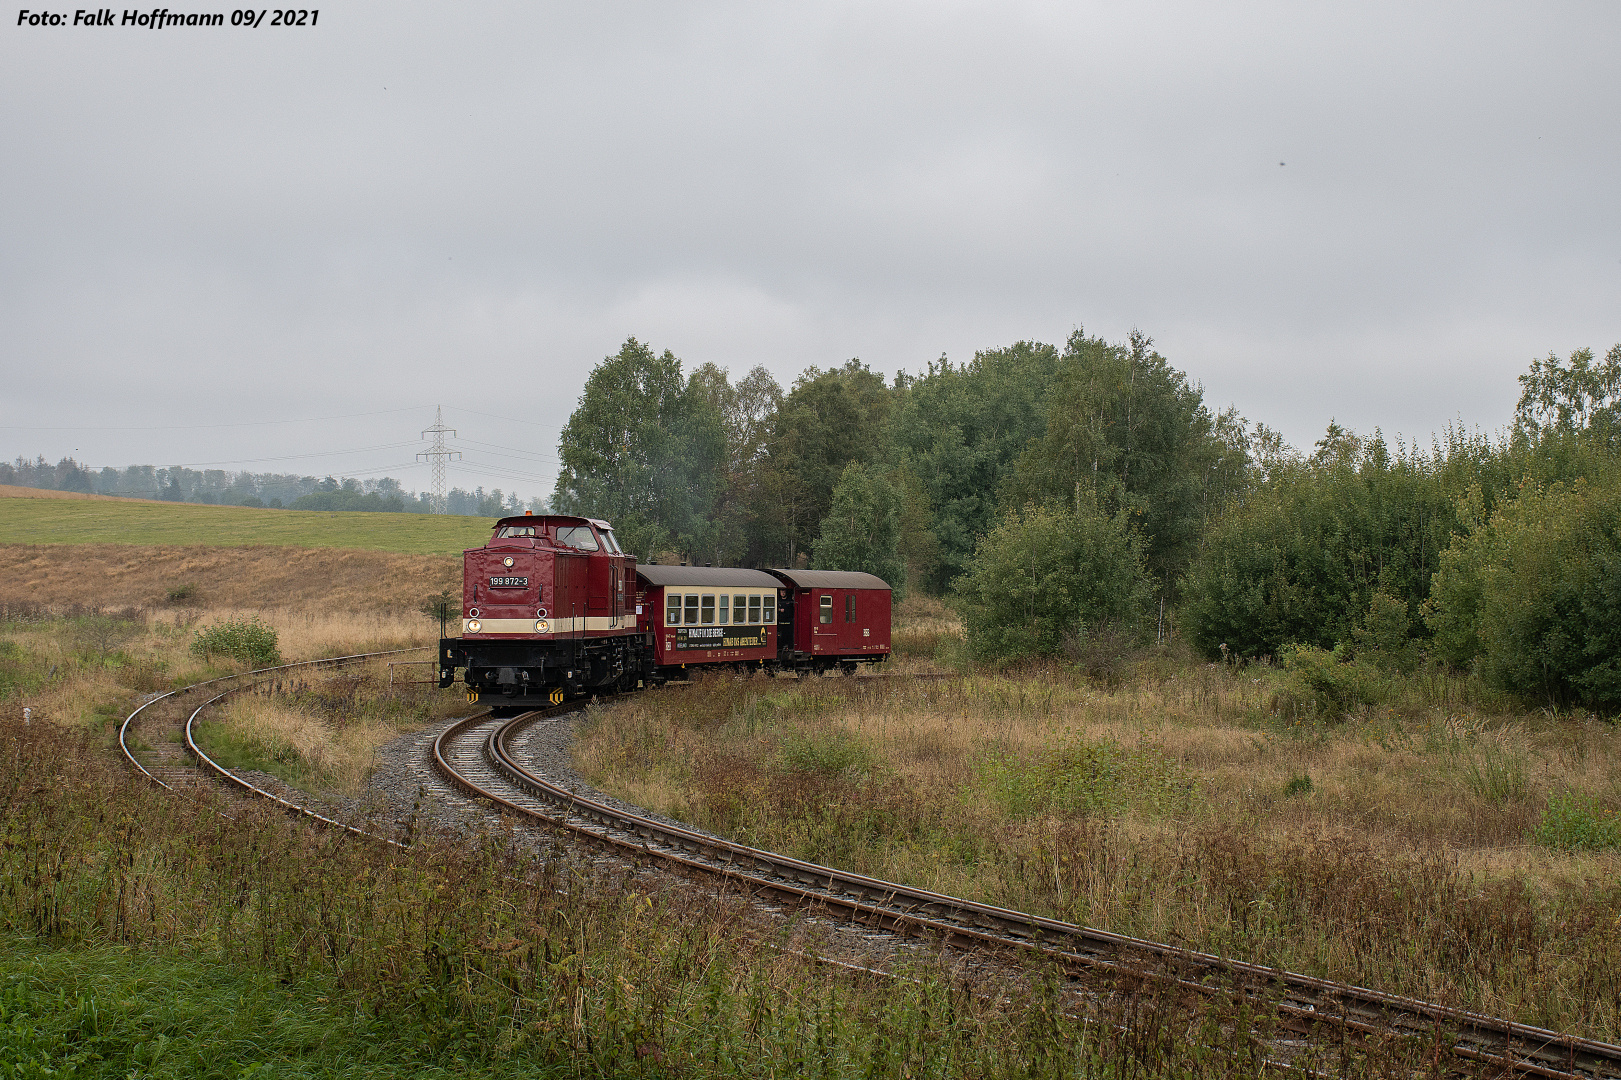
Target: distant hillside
(32, 516)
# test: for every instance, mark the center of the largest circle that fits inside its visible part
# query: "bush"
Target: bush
(1044, 577)
(1575, 821)
(1323, 683)
(1533, 596)
(251, 641)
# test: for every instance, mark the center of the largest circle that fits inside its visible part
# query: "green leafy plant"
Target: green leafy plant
(1321, 682)
(252, 641)
(1573, 821)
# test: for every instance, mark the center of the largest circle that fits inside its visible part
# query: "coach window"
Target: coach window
(707, 609)
(672, 609)
(722, 616)
(691, 617)
(850, 607)
(768, 615)
(827, 611)
(740, 608)
(754, 610)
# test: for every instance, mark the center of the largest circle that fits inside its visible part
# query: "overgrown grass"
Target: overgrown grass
(91, 667)
(321, 731)
(145, 935)
(1412, 849)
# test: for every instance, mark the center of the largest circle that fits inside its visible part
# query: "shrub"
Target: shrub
(1576, 821)
(181, 593)
(1324, 683)
(1533, 596)
(251, 641)
(1046, 576)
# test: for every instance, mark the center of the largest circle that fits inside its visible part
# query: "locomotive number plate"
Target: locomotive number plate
(509, 583)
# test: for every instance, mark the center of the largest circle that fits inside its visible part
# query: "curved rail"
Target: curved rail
(1301, 1001)
(123, 729)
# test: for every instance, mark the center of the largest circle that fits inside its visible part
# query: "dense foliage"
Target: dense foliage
(1046, 578)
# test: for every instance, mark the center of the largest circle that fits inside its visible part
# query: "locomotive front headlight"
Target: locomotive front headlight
(474, 626)
(507, 561)
(542, 626)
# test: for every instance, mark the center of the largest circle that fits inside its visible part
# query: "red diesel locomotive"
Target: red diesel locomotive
(552, 607)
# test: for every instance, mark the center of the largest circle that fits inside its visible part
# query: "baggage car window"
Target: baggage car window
(672, 610)
(707, 609)
(691, 617)
(769, 614)
(827, 611)
(754, 609)
(721, 617)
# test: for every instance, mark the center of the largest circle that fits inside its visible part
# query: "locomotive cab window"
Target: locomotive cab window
(516, 530)
(691, 617)
(827, 611)
(610, 543)
(850, 607)
(577, 536)
(672, 609)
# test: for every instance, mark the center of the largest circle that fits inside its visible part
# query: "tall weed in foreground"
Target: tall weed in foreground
(150, 935)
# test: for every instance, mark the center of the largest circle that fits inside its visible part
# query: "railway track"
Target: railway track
(474, 754)
(162, 731)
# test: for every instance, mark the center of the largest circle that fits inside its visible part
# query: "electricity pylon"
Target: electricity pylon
(437, 455)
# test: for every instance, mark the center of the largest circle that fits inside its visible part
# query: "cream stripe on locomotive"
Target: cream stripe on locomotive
(553, 626)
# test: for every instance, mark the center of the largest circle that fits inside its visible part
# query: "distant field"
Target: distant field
(53, 517)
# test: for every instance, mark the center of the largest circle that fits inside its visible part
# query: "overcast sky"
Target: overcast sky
(1375, 212)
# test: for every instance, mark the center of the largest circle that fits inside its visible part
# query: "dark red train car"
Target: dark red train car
(547, 609)
(553, 608)
(709, 615)
(836, 617)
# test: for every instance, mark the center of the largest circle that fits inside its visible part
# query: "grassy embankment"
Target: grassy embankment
(1440, 846)
(146, 935)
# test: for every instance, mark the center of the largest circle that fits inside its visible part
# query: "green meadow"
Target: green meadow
(111, 521)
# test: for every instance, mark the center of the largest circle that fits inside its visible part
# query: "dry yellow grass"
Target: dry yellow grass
(121, 575)
(1395, 850)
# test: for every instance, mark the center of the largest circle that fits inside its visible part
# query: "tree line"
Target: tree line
(1059, 494)
(217, 487)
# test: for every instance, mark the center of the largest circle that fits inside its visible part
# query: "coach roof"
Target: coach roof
(833, 579)
(717, 577)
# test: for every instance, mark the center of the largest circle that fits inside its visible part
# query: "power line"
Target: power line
(437, 455)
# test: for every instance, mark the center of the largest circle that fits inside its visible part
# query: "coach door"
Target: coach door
(824, 616)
